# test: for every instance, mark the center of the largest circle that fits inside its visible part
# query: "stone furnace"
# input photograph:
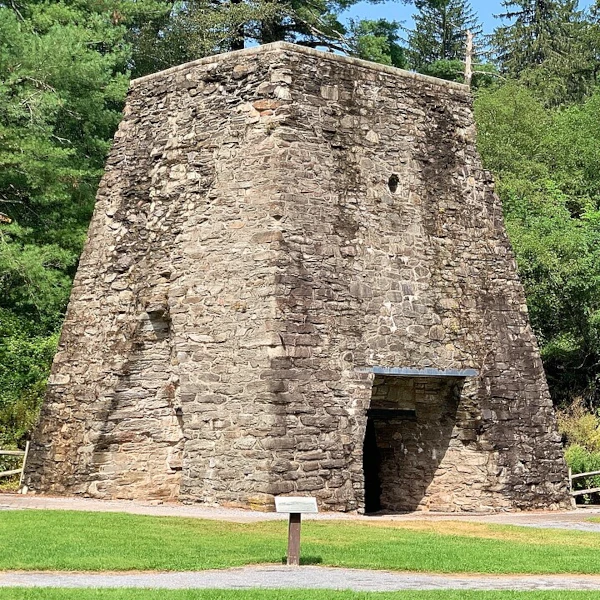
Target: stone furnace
(297, 280)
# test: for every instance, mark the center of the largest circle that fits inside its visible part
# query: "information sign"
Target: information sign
(295, 506)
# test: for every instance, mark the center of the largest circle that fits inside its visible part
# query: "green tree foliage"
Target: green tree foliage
(539, 133)
(538, 32)
(145, 22)
(550, 45)
(378, 41)
(437, 44)
(198, 28)
(545, 161)
(25, 357)
(63, 76)
(203, 27)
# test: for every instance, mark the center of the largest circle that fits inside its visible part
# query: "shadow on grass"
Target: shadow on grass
(306, 560)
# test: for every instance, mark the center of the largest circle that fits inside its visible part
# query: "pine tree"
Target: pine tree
(199, 28)
(64, 70)
(203, 27)
(440, 32)
(540, 31)
(550, 46)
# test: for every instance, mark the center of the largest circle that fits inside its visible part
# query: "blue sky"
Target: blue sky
(396, 11)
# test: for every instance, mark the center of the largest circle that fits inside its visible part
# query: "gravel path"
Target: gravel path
(301, 578)
(574, 519)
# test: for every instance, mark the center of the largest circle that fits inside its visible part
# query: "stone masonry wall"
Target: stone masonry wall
(272, 224)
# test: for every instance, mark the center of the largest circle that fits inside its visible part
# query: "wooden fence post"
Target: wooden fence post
(24, 463)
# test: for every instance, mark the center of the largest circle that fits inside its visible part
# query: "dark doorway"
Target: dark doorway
(410, 424)
(371, 466)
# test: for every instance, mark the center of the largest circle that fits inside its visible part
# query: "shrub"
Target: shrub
(579, 426)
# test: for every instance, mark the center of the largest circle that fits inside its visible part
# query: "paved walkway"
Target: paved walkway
(273, 577)
(573, 519)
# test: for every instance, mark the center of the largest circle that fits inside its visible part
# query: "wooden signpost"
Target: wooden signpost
(295, 506)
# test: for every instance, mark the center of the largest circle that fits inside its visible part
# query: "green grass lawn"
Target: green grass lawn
(129, 594)
(61, 540)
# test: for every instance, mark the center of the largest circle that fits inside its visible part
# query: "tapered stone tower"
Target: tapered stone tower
(297, 280)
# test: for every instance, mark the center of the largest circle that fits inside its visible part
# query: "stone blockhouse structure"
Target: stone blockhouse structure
(298, 281)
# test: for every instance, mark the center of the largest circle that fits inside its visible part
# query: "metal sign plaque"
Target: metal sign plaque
(295, 504)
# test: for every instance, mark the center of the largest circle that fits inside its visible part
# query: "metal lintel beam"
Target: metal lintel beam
(410, 372)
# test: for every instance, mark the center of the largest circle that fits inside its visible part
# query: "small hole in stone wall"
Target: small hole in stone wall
(393, 182)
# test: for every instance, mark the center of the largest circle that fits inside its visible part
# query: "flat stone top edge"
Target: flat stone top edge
(287, 46)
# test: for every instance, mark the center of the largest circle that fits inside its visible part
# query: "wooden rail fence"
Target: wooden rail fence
(579, 476)
(20, 471)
